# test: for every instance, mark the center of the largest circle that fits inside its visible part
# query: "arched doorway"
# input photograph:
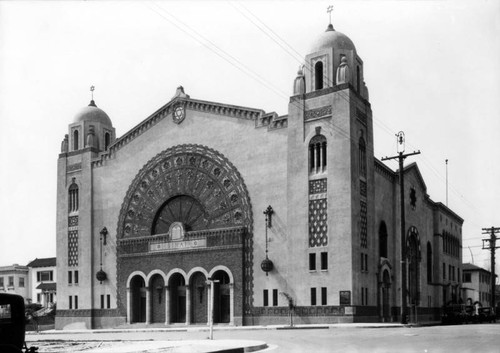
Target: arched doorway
(222, 297)
(386, 300)
(177, 286)
(199, 298)
(138, 299)
(157, 287)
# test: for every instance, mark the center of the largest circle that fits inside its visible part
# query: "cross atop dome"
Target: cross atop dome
(329, 9)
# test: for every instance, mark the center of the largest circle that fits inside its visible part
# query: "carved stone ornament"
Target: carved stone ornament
(178, 114)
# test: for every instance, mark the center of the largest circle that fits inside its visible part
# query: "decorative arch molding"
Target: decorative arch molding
(173, 272)
(196, 270)
(136, 273)
(193, 170)
(222, 268)
(384, 265)
(155, 272)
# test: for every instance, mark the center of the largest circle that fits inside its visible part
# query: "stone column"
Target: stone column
(209, 303)
(167, 305)
(148, 305)
(188, 305)
(129, 304)
(231, 304)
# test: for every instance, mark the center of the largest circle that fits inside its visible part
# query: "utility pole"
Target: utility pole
(491, 245)
(401, 157)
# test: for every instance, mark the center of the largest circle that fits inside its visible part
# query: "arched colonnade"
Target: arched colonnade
(180, 297)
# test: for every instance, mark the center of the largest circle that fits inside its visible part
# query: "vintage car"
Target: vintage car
(12, 324)
(486, 314)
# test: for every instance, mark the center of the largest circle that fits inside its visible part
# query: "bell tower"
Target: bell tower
(330, 175)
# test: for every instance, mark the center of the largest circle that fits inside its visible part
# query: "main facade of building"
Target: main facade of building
(272, 209)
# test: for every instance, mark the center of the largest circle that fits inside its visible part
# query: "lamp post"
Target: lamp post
(210, 281)
(101, 275)
(267, 265)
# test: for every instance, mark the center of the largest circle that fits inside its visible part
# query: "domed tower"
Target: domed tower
(330, 175)
(92, 128)
(90, 134)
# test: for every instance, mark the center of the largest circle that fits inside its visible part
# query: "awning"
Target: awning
(47, 287)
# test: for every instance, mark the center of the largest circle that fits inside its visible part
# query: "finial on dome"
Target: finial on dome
(329, 9)
(92, 103)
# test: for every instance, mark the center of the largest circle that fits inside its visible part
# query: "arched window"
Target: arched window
(362, 157)
(106, 140)
(429, 262)
(75, 140)
(382, 239)
(317, 154)
(73, 198)
(318, 75)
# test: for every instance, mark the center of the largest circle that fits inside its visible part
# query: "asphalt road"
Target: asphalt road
(476, 338)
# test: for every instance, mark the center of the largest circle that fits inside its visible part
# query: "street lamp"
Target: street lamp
(210, 281)
(267, 265)
(101, 275)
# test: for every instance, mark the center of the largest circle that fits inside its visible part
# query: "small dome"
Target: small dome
(93, 114)
(332, 39)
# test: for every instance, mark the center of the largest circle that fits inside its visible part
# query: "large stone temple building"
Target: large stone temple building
(205, 202)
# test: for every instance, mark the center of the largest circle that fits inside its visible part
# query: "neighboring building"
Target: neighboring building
(182, 197)
(43, 277)
(15, 280)
(476, 285)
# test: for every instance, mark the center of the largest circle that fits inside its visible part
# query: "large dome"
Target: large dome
(92, 113)
(332, 39)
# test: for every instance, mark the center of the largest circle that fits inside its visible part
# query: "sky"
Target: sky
(432, 69)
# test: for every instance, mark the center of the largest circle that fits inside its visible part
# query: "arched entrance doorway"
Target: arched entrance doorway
(157, 288)
(138, 299)
(222, 297)
(199, 298)
(177, 292)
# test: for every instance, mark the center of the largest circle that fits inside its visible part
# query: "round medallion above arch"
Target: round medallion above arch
(191, 184)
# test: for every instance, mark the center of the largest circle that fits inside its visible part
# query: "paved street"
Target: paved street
(460, 338)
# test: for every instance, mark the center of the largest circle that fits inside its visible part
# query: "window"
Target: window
(429, 262)
(358, 79)
(312, 262)
(102, 301)
(21, 282)
(76, 301)
(313, 296)
(362, 157)
(266, 297)
(70, 277)
(318, 75)
(11, 281)
(275, 297)
(382, 237)
(444, 270)
(73, 198)
(75, 140)
(70, 302)
(1, 282)
(324, 261)
(108, 300)
(450, 272)
(44, 276)
(467, 278)
(317, 154)
(38, 297)
(364, 296)
(323, 296)
(76, 277)
(106, 140)
(364, 262)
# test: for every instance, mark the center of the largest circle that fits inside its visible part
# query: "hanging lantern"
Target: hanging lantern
(101, 275)
(267, 265)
